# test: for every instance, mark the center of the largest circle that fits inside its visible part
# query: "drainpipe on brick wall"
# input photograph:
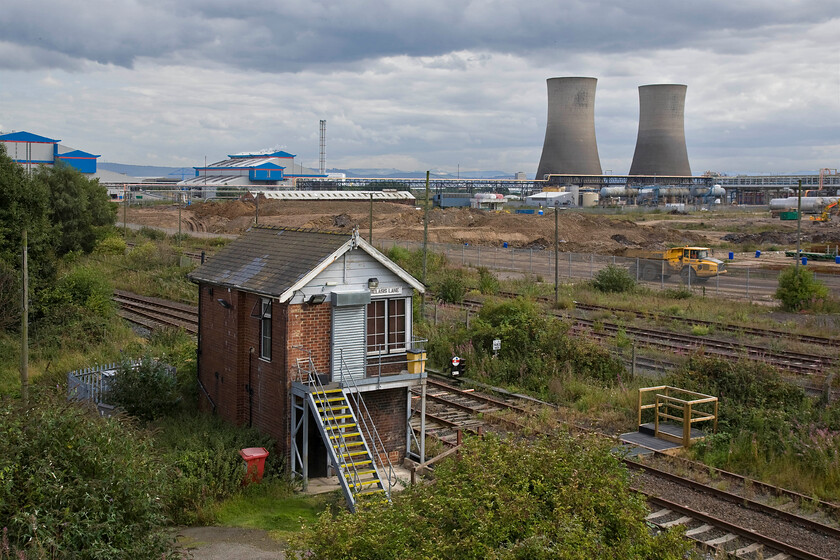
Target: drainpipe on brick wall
(250, 390)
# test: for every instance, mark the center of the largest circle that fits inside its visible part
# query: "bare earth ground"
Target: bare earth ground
(228, 543)
(579, 232)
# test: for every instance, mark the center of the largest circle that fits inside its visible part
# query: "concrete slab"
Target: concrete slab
(647, 441)
(331, 483)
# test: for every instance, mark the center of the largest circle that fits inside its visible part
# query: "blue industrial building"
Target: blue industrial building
(264, 169)
(30, 149)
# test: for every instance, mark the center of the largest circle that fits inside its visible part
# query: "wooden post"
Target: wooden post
(687, 424)
(24, 323)
(426, 227)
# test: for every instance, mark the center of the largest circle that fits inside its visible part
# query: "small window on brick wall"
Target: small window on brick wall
(386, 326)
(265, 329)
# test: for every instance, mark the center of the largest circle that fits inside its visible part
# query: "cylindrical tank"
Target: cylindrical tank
(589, 199)
(612, 192)
(660, 144)
(570, 145)
(808, 202)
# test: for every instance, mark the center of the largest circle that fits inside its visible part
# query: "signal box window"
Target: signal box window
(386, 326)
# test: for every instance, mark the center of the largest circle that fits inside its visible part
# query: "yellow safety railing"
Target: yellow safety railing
(679, 405)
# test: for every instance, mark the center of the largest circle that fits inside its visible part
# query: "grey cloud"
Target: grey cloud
(295, 35)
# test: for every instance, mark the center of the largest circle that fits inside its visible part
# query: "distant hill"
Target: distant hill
(148, 170)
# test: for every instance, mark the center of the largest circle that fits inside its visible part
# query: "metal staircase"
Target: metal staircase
(345, 436)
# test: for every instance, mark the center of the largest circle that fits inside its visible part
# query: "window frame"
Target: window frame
(265, 325)
(390, 313)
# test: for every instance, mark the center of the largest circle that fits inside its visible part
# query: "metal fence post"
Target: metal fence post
(570, 265)
(531, 260)
(462, 254)
(637, 269)
(591, 258)
(479, 256)
(748, 283)
(662, 277)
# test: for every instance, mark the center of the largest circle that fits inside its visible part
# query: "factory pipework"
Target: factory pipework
(570, 145)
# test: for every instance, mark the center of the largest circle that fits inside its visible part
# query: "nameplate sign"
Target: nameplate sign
(392, 291)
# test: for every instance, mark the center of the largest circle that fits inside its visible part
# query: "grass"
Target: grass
(273, 507)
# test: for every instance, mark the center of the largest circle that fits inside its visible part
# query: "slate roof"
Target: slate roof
(268, 260)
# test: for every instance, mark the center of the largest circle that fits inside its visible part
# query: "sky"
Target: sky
(414, 85)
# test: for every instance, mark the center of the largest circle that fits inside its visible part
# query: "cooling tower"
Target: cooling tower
(660, 144)
(569, 145)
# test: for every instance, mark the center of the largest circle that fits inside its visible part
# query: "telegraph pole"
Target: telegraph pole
(798, 228)
(556, 257)
(24, 325)
(370, 227)
(425, 227)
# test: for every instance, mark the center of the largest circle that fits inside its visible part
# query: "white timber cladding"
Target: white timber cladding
(349, 356)
(351, 272)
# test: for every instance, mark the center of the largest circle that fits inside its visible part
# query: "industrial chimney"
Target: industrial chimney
(660, 144)
(570, 145)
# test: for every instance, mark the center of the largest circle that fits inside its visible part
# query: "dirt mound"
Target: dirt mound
(578, 231)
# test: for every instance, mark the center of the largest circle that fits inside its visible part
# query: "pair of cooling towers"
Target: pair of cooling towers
(570, 146)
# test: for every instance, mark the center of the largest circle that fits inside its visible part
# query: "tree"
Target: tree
(79, 207)
(24, 205)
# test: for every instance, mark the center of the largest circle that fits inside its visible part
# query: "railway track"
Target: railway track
(681, 344)
(155, 313)
(739, 330)
(722, 522)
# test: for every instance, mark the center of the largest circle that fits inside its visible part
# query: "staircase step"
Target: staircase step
(340, 426)
(360, 473)
(327, 391)
(356, 463)
(329, 400)
(351, 434)
(338, 417)
(363, 483)
(353, 454)
(349, 444)
(370, 492)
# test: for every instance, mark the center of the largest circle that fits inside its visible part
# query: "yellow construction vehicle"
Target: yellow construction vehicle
(827, 213)
(693, 264)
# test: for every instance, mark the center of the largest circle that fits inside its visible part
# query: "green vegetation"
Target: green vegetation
(535, 348)
(147, 391)
(613, 279)
(799, 290)
(73, 484)
(558, 497)
(768, 428)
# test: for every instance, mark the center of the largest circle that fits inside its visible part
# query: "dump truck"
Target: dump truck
(693, 264)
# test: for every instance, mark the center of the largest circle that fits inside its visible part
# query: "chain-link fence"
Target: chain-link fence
(746, 282)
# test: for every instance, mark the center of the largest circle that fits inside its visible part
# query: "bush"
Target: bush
(202, 454)
(111, 245)
(452, 287)
(76, 485)
(613, 278)
(83, 287)
(799, 290)
(488, 284)
(146, 391)
(554, 497)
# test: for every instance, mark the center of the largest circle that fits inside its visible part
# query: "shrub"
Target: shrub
(613, 278)
(799, 290)
(554, 497)
(488, 284)
(202, 452)
(76, 485)
(85, 287)
(111, 245)
(451, 287)
(146, 391)
(678, 293)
